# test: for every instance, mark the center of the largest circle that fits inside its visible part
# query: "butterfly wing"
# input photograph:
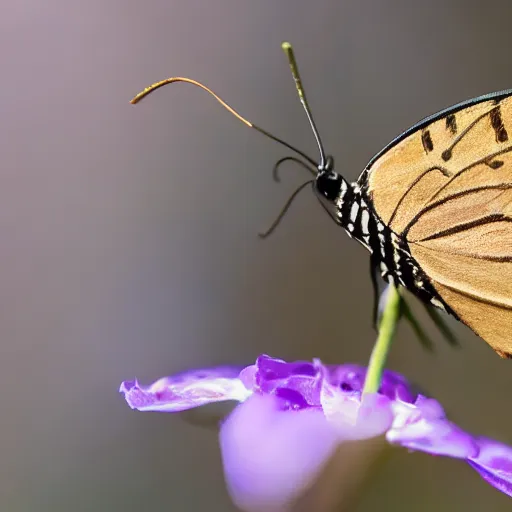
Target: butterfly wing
(478, 291)
(446, 188)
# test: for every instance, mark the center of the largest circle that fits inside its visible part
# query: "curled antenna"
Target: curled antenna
(275, 170)
(284, 209)
(231, 110)
(288, 50)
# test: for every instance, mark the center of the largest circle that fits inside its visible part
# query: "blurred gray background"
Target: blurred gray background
(129, 244)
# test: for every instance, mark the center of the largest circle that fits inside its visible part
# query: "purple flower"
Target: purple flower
(293, 416)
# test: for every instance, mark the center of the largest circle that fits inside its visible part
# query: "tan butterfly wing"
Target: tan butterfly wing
(447, 189)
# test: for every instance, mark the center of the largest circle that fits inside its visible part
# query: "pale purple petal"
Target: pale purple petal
(270, 455)
(186, 390)
(494, 463)
(274, 448)
(353, 417)
(422, 426)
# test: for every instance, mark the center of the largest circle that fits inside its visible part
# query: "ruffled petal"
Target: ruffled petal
(186, 390)
(298, 383)
(302, 381)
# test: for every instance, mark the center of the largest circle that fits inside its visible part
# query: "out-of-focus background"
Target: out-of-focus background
(129, 234)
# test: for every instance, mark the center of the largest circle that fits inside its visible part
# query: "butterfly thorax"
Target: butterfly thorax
(352, 209)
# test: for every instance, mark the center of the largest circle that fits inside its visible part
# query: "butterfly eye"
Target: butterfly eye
(328, 185)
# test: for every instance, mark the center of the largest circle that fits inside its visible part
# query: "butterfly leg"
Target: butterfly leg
(376, 296)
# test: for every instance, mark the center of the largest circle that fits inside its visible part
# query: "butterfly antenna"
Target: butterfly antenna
(275, 170)
(288, 50)
(231, 110)
(285, 208)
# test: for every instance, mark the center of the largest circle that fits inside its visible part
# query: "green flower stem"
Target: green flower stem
(387, 327)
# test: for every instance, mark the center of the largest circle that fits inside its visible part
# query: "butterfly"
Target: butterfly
(433, 208)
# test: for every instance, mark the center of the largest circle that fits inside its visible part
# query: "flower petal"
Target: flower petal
(423, 427)
(298, 383)
(270, 456)
(186, 390)
(302, 381)
(494, 463)
(356, 417)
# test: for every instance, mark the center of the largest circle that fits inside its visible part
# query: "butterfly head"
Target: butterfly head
(328, 182)
(333, 191)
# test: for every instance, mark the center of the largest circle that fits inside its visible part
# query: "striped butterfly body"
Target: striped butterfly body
(352, 208)
(433, 208)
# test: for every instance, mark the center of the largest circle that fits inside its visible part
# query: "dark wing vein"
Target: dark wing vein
(462, 193)
(463, 226)
(484, 160)
(473, 255)
(442, 170)
(477, 298)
